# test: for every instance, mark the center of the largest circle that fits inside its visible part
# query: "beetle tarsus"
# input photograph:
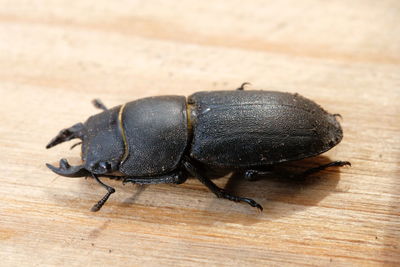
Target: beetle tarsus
(223, 194)
(103, 200)
(97, 103)
(324, 166)
(241, 88)
(219, 192)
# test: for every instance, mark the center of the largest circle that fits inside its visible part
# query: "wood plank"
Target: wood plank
(59, 55)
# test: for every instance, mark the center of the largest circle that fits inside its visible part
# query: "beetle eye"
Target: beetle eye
(105, 165)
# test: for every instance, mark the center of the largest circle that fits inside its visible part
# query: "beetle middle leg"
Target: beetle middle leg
(254, 174)
(173, 178)
(219, 192)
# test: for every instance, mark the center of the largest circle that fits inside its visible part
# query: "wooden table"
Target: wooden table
(56, 56)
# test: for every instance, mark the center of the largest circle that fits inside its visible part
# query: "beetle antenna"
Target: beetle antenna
(97, 103)
(75, 131)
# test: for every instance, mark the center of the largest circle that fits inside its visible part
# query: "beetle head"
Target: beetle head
(102, 145)
(101, 152)
(75, 131)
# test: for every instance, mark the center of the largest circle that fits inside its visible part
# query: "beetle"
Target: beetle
(166, 139)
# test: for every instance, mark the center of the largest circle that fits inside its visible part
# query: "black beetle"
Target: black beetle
(165, 139)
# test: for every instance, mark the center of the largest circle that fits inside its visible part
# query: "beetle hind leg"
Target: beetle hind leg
(324, 166)
(219, 192)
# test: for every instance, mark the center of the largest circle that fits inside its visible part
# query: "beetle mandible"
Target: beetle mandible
(165, 139)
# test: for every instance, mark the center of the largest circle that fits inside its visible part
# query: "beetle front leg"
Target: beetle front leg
(219, 192)
(110, 190)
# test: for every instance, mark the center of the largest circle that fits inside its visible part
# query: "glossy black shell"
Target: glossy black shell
(234, 129)
(156, 134)
(102, 139)
(255, 128)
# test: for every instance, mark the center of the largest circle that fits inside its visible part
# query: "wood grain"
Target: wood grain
(56, 56)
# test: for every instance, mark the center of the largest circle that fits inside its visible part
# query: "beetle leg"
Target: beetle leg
(110, 190)
(241, 88)
(99, 104)
(75, 131)
(252, 174)
(219, 192)
(323, 167)
(174, 178)
(337, 115)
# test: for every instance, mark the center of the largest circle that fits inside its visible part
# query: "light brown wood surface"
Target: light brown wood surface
(56, 56)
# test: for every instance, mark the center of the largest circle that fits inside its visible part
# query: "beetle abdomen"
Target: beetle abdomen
(156, 134)
(253, 128)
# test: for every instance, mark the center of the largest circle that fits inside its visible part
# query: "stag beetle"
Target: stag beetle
(165, 139)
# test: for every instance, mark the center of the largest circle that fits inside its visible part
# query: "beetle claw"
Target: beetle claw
(337, 115)
(67, 170)
(76, 131)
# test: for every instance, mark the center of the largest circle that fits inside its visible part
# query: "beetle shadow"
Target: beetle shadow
(282, 191)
